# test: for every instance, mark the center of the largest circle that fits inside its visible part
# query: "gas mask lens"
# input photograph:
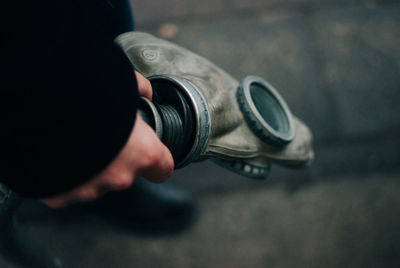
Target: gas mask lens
(265, 111)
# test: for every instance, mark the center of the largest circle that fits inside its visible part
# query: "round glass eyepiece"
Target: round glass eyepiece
(265, 111)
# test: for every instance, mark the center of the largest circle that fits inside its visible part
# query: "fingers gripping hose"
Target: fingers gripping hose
(171, 118)
(179, 115)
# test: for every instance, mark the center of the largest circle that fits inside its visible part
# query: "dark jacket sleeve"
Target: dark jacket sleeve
(68, 96)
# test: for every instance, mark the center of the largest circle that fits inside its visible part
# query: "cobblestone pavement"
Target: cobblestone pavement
(338, 65)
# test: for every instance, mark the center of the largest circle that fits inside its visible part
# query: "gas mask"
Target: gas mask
(199, 111)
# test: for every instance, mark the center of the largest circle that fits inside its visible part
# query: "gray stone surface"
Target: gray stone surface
(358, 156)
(159, 10)
(361, 55)
(342, 222)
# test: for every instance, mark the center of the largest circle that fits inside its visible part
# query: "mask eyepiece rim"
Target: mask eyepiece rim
(278, 133)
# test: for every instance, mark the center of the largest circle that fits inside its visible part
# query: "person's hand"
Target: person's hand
(144, 155)
(144, 86)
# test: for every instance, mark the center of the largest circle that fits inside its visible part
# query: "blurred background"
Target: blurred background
(337, 63)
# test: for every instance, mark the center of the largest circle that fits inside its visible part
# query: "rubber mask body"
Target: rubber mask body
(230, 139)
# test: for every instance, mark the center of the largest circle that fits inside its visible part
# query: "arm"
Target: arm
(143, 155)
(68, 103)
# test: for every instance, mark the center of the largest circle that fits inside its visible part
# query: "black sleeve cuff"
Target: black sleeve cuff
(69, 99)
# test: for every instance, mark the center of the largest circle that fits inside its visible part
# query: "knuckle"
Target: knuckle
(164, 168)
(148, 85)
(168, 170)
(87, 195)
(152, 159)
(121, 182)
(54, 203)
(160, 179)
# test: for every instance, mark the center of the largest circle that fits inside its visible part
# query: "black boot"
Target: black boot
(148, 208)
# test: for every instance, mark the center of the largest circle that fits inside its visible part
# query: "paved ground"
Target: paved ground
(338, 66)
(347, 221)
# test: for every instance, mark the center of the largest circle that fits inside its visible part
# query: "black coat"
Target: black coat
(68, 94)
